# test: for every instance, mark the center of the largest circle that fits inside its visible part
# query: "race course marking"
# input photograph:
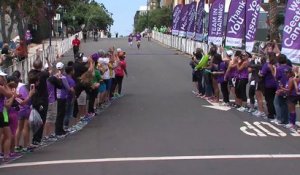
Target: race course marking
(144, 159)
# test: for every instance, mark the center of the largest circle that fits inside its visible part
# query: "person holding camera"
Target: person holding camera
(242, 79)
(197, 74)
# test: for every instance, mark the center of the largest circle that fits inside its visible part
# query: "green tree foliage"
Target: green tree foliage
(25, 12)
(158, 17)
(88, 14)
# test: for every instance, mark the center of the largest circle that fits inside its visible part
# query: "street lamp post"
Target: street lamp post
(49, 5)
(74, 18)
(148, 13)
(62, 23)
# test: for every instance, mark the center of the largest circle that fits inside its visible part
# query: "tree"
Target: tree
(158, 17)
(275, 18)
(7, 20)
(90, 14)
(25, 12)
(273, 14)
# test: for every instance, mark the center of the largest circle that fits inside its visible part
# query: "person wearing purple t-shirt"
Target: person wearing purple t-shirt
(70, 97)
(280, 101)
(270, 85)
(138, 38)
(223, 82)
(61, 95)
(53, 83)
(231, 74)
(293, 97)
(242, 70)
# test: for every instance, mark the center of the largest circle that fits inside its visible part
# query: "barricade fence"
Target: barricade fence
(189, 46)
(53, 52)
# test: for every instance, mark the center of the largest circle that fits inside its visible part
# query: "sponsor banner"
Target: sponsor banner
(176, 19)
(199, 21)
(191, 20)
(183, 20)
(252, 14)
(216, 18)
(236, 23)
(291, 31)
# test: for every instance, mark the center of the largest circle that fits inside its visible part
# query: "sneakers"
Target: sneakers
(293, 128)
(242, 109)
(251, 110)
(18, 149)
(259, 114)
(50, 138)
(274, 121)
(288, 126)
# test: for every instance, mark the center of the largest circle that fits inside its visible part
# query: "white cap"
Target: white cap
(119, 50)
(59, 65)
(85, 59)
(229, 52)
(2, 73)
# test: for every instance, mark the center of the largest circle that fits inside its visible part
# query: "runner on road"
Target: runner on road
(130, 39)
(138, 38)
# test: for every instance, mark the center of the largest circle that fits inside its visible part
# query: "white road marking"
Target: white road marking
(258, 124)
(222, 108)
(281, 133)
(245, 129)
(143, 159)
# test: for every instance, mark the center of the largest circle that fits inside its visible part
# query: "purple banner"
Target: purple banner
(184, 20)
(252, 14)
(191, 20)
(216, 18)
(176, 19)
(199, 21)
(236, 23)
(291, 31)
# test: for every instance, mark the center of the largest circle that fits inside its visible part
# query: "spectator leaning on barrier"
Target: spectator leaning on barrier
(38, 78)
(21, 51)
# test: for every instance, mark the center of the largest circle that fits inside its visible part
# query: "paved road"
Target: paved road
(158, 122)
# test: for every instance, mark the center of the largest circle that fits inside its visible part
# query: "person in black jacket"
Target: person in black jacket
(38, 78)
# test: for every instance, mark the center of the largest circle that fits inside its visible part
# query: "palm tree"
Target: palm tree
(273, 15)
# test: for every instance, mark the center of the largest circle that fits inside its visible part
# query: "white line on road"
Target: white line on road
(142, 159)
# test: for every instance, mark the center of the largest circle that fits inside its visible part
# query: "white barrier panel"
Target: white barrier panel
(52, 53)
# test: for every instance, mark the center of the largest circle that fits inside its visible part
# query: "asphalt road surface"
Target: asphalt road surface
(160, 128)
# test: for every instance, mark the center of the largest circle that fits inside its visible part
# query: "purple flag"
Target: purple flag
(291, 31)
(236, 23)
(183, 20)
(199, 21)
(176, 19)
(252, 14)
(216, 18)
(191, 20)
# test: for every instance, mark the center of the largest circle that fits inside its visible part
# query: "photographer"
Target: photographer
(197, 74)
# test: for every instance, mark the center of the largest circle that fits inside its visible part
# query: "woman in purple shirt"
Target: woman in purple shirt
(231, 75)
(270, 85)
(61, 95)
(240, 90)
(290, 90)
(70, 97)
(280, 101)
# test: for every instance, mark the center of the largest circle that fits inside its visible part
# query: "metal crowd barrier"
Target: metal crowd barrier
(189, 46)
(52, 52)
